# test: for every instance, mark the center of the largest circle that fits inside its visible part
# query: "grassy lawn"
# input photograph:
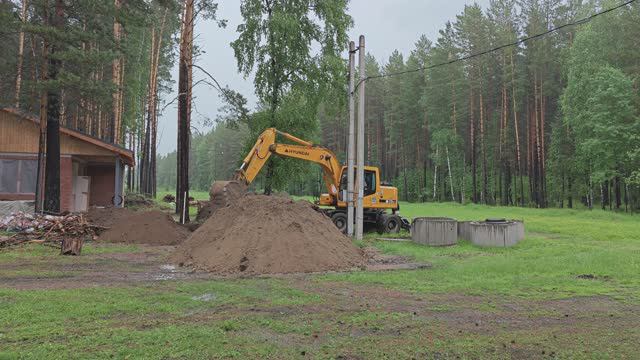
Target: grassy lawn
(529, 301)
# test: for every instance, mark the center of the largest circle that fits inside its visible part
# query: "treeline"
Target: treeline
(550, 122)
(107, 61)
(214, 155)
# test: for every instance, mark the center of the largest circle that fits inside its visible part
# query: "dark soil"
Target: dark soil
(149, 227)
(107, 216)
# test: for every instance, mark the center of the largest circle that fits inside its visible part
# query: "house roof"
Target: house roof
(125, 154)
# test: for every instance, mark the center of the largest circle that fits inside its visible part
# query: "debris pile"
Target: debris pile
(260, 234)
(137, 200)
(168, 198)
(148, 227)
(46, 228)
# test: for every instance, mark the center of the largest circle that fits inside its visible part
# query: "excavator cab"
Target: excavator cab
(376, 195)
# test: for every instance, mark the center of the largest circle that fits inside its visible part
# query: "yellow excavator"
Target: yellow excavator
(379, 198)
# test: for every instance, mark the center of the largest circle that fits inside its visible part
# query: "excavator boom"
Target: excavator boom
(266, 145)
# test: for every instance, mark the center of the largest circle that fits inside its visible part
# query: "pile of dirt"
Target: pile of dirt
(221, 195)
(107, 216)
(261, 234)
(148, 227)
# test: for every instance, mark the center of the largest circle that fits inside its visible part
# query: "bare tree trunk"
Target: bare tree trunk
(404, 174)
(116, 75)
(483, 196)
(462, 185)
(52, 169)
(453, 197)
(184, 110)
(23, 18)
(543, 170)
(537, 121)
(42, 141)
(435, 173)
(517, 134)
(454, 120)
(472, 136)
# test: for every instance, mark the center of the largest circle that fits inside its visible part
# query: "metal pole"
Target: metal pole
(360, 165)
(118, 199)
(351, 148)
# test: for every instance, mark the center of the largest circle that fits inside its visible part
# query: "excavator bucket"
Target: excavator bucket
(224, 193)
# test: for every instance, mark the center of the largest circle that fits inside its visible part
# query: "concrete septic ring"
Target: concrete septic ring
(434, 231)
(492, 232)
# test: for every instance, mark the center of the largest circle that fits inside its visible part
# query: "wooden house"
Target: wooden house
(91, 170)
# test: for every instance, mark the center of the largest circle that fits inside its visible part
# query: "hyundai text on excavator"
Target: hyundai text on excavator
(378, 197)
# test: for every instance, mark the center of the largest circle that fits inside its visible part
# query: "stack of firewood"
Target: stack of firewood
(66, 231)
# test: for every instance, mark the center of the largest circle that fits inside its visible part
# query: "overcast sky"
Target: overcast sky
(387, 25)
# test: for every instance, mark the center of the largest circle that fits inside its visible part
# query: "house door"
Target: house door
(81, 193)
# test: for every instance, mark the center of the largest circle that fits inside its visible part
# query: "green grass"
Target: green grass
(34, 251)
(290, 318)
(138, 322)
(559, 246)
(193, 211)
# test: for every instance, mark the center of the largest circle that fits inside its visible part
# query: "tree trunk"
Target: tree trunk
(472, 139)
(435, 174)
(52, 169)
(71, 246)
(184, 110)
(23, 18)
(618, 192)
(116, 76)
(483, 195)
(543, 169)
(42, 141)
(517, 134)
(462, 183)
(404, 174)
(453, 197)
(569, 193)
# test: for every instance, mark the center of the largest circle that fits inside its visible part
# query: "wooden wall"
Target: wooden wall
(19, 135)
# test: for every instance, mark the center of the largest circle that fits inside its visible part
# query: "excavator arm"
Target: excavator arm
(267, 144)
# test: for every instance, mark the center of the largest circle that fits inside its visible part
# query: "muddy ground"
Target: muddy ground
(494, 326)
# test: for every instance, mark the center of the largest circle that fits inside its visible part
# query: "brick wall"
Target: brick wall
(102, 184)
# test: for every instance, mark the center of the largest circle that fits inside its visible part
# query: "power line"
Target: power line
(484, 52)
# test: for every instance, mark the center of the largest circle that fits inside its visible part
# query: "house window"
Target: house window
(18, 176)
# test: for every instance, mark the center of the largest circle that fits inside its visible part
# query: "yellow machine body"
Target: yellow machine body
(376, 195)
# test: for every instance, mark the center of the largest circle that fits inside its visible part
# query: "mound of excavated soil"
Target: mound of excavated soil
(221, 195)
(268, 235)
(107, 216)
(148, 227)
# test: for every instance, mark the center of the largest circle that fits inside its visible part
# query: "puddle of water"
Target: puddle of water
(204, 297)
(164, 277)
(170, 268)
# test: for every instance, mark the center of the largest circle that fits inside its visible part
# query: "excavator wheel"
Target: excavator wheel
(340, 221)
(389, 224)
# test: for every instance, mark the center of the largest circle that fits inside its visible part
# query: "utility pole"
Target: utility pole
(351, 149)
(360, 165)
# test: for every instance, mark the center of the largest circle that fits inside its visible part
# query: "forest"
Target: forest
(531, 103)
(549, 122)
